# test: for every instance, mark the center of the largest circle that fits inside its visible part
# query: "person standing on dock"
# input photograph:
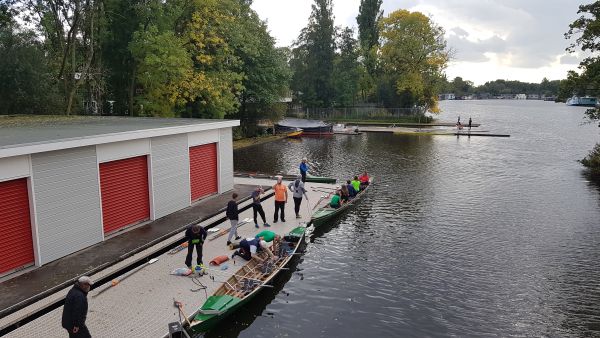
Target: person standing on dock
(195, 236)
(76, 308)
(470, 122)
(232, 215)
(297, 188)
(257, 207)
(281, 196)
(303, 169)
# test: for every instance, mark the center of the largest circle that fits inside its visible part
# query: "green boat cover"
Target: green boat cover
(295, 234)
(216, 305)
(323, 212)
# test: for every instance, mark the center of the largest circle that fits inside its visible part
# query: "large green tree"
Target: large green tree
(369, 16)
(413, 57)
(314, 54)
(346, 73)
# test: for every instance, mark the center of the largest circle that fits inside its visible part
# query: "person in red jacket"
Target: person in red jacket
(364, 180)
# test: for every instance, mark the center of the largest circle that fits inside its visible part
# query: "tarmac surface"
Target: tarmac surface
(142, 305)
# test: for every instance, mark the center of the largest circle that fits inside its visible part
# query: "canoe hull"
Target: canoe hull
(324, 215)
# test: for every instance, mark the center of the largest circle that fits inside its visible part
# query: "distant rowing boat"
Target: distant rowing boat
(325, 214)
(295, 134)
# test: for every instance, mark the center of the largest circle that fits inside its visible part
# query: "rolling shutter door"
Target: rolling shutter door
(124, 191)
(16, 242)
(203, 170)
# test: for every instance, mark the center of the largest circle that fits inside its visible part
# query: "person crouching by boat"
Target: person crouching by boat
(356, 184)
(351, 190)
(267, 235)
(345, 194)
(281, 196)
(232, 216)
(297, 189)
(303, 169)
(336, 200)
(257, 207)
(195, 236)
(364, 180)
(251, 246)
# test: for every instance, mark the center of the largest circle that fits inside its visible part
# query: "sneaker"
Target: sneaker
(228, 242)
(275, 221)
(233, 255)
(256, 225)
(283, 220)
(237, 237)
(298, 216)
(267, 225)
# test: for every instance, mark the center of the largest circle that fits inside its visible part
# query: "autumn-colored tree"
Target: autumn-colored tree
(414, 56)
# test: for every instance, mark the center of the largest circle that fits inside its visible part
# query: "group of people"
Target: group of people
(460, 126)
(349, 190)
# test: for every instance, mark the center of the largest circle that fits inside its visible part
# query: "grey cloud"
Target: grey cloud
(534, 29)
(569, 60)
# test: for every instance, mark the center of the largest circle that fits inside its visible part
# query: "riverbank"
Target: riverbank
(252, 141)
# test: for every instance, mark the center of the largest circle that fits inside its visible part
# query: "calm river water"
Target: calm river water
(460, 237)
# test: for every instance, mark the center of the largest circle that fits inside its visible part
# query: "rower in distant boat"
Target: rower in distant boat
(345, 194)
(364, 180)
(250, 246)
(336, 200)
(351, 191)
(356, 184)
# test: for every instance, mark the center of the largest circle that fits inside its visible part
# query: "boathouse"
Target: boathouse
(69, 183)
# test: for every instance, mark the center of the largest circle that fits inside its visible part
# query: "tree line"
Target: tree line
(460, 88)
(209, 59)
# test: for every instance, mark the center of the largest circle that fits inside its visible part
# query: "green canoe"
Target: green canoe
(246, 283)
(325, 214)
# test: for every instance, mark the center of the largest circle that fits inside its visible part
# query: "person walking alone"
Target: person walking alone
(195, 235)
(297, 188)
(257, 207)
(303, 169)
(76, 308)
(281, 196)
(232, 215)
(470, 121)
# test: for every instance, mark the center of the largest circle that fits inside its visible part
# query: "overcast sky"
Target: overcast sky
(493, 39)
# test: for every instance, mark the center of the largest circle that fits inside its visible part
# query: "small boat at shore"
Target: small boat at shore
(295, 134)
(585, 101)
(246, 283)
(287, 177)
(325, 214)
(309, 127)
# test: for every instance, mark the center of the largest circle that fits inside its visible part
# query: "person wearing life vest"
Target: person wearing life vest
(297, 189)
(281, 197)
(356, 184)
(195, 236)
(303, 169)
(364, 180)
(250, 246)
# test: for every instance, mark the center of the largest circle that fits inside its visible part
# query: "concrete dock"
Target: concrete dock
(429, 131)
(142, 305)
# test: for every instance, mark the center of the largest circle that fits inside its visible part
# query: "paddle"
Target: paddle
(116, 282)
(224, 231)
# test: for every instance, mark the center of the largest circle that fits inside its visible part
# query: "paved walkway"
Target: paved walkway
(142, 306)
(41, 282)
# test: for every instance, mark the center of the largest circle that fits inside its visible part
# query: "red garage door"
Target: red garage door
(124, 191)
(203, 170)
(16, 243)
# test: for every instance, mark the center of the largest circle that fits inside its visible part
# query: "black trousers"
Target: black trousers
(188, 258)
(258, 209)
(244, 250)
(297, 202)
(279, 205)
(303, 174)
(82, 333)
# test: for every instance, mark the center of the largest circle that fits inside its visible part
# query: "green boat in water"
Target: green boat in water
(287, 177)
(246, 283)
(325, 214)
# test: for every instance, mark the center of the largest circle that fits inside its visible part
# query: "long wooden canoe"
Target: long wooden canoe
(246, 283)
(325, 214)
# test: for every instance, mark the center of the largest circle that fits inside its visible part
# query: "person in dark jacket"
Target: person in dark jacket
(195, 236)
(76, 308)
(232, 215)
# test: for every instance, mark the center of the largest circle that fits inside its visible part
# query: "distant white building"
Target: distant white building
(521, 97)
(447, 96)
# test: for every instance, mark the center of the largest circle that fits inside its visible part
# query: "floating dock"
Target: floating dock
(142, 305)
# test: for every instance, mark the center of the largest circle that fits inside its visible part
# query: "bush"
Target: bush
(592, 160)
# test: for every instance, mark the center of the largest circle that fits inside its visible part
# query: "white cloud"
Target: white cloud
(507, 39)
